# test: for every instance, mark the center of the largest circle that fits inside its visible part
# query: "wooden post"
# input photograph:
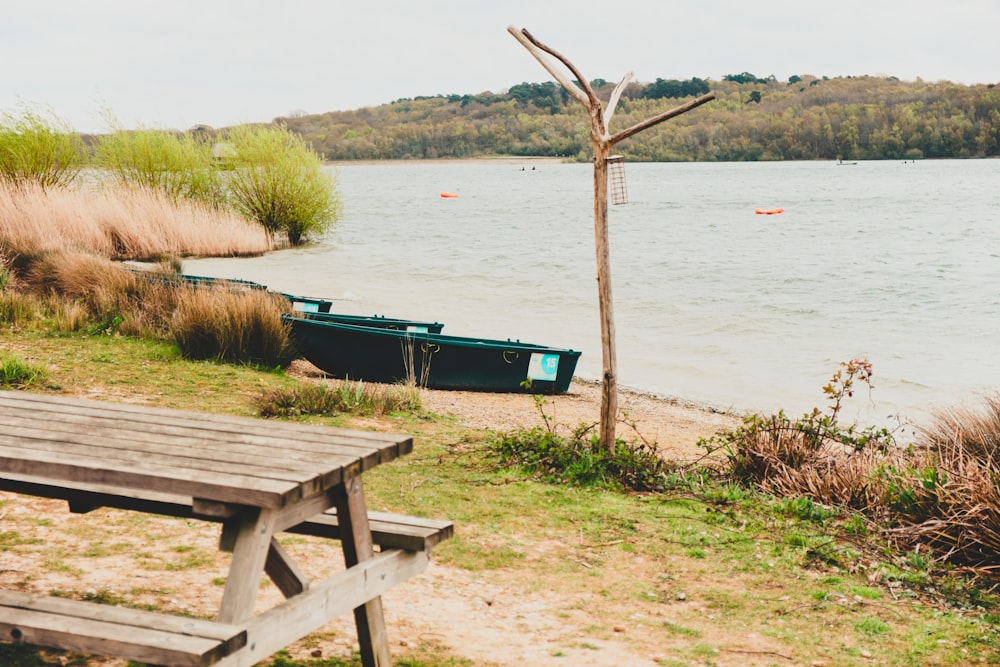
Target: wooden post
(602, 142)
(609, 379)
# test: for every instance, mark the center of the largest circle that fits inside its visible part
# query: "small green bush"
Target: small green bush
(17, 373)
(178, 164)
(580, 459)
(38, 149)
(277, 180)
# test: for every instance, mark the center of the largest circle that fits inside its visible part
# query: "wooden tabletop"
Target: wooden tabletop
(220, 458)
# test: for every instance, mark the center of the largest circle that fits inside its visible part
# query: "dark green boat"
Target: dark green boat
(308, 304)
(376, 321)
(436, 361)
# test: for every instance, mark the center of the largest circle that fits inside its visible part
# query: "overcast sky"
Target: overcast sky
(223, 62)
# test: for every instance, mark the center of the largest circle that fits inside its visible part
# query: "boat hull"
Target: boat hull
(377, 322)
(432, 360)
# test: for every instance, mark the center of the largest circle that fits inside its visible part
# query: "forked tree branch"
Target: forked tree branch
(538, 50)
(666, 115)
(613, 102)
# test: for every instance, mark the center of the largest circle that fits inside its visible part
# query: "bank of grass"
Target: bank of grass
(708, 572)
(123, 222)
(77, 292)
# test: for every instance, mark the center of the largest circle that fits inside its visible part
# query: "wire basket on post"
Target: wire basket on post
(616, 177)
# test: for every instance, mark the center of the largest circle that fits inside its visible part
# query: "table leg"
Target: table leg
(356, 538)
(254, 529)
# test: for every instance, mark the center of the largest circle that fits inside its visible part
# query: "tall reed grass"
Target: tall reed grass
(232, 326)
(94, 294)
(121, 223)
(949, 497)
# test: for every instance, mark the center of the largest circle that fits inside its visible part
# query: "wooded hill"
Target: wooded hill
(804, 118)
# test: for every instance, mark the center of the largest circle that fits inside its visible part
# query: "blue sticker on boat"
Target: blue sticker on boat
(305, 307)
(543, 366)
(416, 329)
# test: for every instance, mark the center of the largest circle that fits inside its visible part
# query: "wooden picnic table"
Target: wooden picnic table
(257, 478)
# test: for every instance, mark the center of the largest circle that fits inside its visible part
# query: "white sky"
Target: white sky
(222, 62)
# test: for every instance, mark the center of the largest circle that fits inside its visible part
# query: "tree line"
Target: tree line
(752, 118)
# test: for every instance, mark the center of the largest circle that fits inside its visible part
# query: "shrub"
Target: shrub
(277, 180)
(176, 164)
(580, 459)
(39, 150)
(940, 496)
(815, 455)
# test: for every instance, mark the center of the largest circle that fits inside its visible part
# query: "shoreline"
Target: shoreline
(498, 159)
(674, 425)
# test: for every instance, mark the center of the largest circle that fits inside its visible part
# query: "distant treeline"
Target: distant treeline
(752, 118)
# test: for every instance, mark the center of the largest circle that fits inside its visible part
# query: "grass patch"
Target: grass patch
(338, 397)
(579, 458)
(19, 374)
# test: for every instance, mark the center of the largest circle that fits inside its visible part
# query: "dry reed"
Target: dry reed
(940, 496)
(230, 325)
(121, 223)
(951, 502)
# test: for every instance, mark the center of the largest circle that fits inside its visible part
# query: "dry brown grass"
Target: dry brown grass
(81, 288)
(231, 325)
(121, 223)
(951, 501)
(940, 496)
(221, 321)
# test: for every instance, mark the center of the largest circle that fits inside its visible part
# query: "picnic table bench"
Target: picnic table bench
(257, 478)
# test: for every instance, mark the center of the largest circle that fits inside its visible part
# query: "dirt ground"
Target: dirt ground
(479, 616)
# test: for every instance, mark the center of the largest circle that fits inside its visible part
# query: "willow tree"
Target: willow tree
(602, 141)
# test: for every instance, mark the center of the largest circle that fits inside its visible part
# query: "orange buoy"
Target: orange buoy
(449, 195)
(768, 211)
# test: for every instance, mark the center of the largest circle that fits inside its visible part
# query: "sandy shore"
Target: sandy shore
(674, 425)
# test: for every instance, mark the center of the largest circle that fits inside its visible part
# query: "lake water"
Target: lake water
(896, 262)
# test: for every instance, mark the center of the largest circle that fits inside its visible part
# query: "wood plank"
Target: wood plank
(214, 486)
(195, 627)
(294, 454)
(390, 531)
(255, 529)
(172, 415)
(227, 426)
(283, 571)
(116, 631)
(325, 600)
(356, 541)
(133, 449)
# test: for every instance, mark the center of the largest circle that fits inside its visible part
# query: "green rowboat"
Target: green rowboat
(432, 360)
